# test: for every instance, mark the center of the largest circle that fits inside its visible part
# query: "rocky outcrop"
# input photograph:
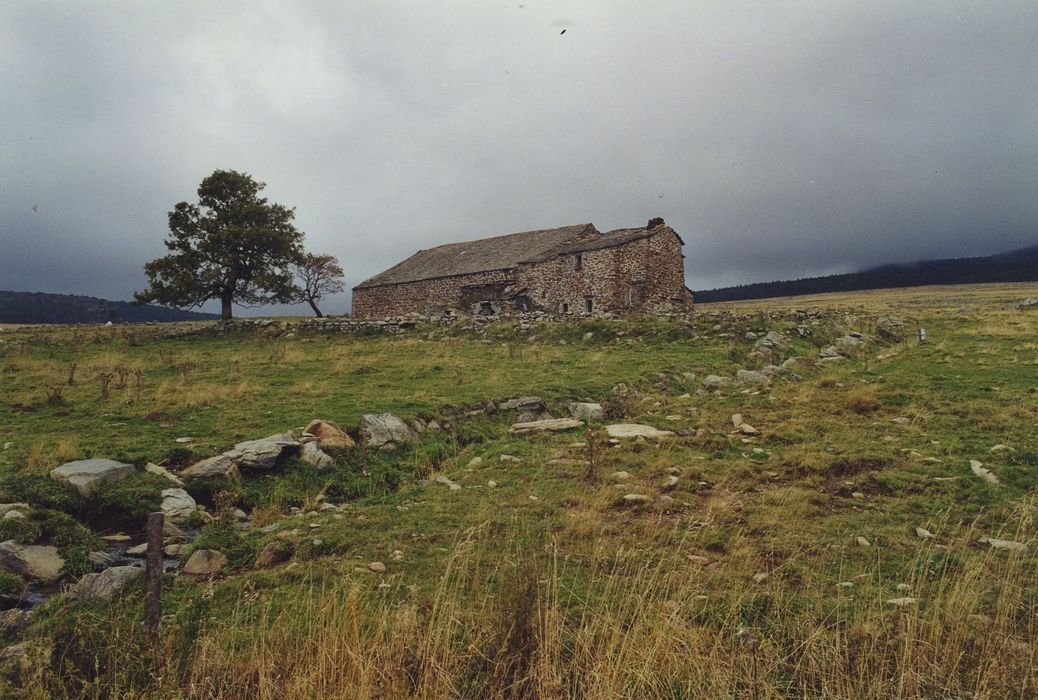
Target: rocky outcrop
(86, 474)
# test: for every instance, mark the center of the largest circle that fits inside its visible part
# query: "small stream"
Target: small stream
(36, 593)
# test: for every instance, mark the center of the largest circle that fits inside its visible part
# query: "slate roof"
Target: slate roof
(503, 252)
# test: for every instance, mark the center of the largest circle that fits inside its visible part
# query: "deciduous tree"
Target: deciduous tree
(233, 245)
(319, 276)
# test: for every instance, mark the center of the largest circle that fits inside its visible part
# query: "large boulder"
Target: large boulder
(85, 474)
(552, 425)
(329, 435)
(177, 504)
(205, 562)
(587, 411)
(102, 587)
(264, 453)
(39, 562)
(379, 429)
(219, 466)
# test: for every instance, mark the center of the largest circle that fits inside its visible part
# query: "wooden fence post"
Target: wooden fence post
(153, 578)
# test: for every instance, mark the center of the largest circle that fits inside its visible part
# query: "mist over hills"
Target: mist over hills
(1020, 265)
(40, 307)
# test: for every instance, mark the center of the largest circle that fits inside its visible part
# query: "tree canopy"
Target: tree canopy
(233, 245)
(319, 275)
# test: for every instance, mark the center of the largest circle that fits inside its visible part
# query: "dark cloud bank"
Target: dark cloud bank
(780, 139)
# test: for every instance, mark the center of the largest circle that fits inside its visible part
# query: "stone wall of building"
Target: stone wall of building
(424, 296)
(643, 276)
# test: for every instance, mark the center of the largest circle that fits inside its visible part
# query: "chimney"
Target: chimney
(655, 222)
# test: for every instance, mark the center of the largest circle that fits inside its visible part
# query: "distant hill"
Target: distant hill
(37, 307)
(1012, 266)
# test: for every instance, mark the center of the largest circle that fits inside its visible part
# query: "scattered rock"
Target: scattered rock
(329, 435)
(177, 504)
(475, 462)
(16, 656)
(378, 567)
(698, 560)
(619, 476)
(553, 425)
(220, 466)
(164, 473)
(923, 533)
(311, 453)
(670, 482)
(85, 474)
(534, 404)
(39, 562)
(184, 440)
(491, 484)
(903, 602)
(512, 459)
(635, 499)
(6, 508)
(714, 382)
(263, 454)
(138, 550)
(378, 430)
(634, 430)
(751, 377)
(998, 544)
(102, 587)
(441, 479)
(205, 562)
(830, 353)
(760, 577)
(663, 502)
(986, 474)
(273, 553)
(862, 542)
(587, 411)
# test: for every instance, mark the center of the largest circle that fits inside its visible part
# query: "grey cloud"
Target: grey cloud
(780, 139)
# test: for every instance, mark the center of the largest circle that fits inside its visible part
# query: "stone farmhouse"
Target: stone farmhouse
(567, 270)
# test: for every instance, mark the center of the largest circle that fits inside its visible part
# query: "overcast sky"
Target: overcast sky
(780, 139)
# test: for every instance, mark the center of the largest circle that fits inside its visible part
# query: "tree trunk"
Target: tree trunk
(313, 306)
(226, 310)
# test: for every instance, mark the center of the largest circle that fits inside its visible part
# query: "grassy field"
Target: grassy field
(770, 574)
